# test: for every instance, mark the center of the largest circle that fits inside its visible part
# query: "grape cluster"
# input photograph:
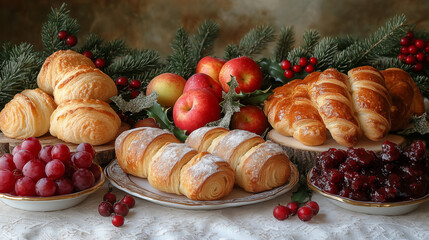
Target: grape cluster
(414, 51)
(52, 170)
(121, 208)
(358, 174)
(305, 213)
(307, 64)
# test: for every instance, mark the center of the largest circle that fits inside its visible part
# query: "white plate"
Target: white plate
(375, 208)
(54, 203)
(141, 188)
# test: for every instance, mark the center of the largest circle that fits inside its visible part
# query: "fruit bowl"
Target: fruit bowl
(374, 208)
(53, 203)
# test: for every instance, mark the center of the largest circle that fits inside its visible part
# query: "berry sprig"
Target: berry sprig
(120, 208)
(132, 87)
(414, 51)
(305, 213)
(304, 64)
(71, 40)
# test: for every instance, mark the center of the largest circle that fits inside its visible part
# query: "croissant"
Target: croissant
(58, 64)
(258, 165)
(406, 97)
(171, 166)
(84, 120)
(83, 82)
(333, 100)
(27, 114)
(371, 101)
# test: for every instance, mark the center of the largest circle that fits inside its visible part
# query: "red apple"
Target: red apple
(250, 118)
(147, 122)
(204, 81)
(194, 109)
(168, 86)
(210, 66)
(245, 70)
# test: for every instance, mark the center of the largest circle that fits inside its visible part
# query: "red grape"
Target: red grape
(109, 197)
(64, 186)
(129, 201)
(105, 209)
(35, 169)
(45, 187)
(6, 162)
(70, 169)
(118, 220)
(17, 174)
(83, 179)
(120, 209)
(95, 171)
(32, 145)
(7, 181)
(61, 152)
(86, 147)
(16, 149)
(82, 159)
(21, 158)
(45, 154)
(25, 186)
(55, 169)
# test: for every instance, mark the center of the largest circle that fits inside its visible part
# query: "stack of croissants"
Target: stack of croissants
(207, 165)
(365, 102)
(70, 103)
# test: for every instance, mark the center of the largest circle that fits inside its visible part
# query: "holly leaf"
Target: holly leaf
(160, 115)
(418, 125)
(273, 69)
(302, 195)
(255, 98)
(135, 105)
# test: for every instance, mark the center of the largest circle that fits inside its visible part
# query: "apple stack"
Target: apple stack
(196, 101)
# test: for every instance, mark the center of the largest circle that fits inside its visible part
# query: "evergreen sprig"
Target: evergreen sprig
(325, 51)
(181, 59)
(310, 40)
(203, 41)
(58, 20)
(284, 43)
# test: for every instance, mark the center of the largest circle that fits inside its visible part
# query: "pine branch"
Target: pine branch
(284, 44)
(231, 51)
(58, 20)
(181, 60)
(344, 42)
(296, 54)
(310, 39)
(91, 43)
(204, 40)
(422, 83)
(325, 51)
(256, 40)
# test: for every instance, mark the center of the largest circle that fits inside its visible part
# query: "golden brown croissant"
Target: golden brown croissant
(27, 114)
(331, 94)
(85, 120)
(58, 64)
(202, 138)
(258, 165)
(172, 166)
(371, 101)
(406, 97)
(84, 82)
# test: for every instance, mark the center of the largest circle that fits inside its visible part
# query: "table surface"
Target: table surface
(151, 221)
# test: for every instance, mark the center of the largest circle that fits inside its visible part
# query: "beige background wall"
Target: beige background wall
(152, 23)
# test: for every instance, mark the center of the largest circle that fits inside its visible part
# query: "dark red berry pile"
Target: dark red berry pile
(414, 51)
(120, 208)
(305, 213)
(358, 174)
(304, 64)
(48, 171)
(126, 87)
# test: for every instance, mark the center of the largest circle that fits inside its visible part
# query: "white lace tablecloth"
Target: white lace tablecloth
(151, 221)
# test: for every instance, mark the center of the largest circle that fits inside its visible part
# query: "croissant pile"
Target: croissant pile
(259, 165)
(364, 102)
(79, 89)
(171, 166)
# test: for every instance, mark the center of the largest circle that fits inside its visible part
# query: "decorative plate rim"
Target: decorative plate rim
(122, 181)
(363, 203)
(59, 197)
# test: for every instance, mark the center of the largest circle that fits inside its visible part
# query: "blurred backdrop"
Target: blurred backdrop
(153, 23)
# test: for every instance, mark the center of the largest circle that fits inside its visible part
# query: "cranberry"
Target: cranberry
(309, 68)
(314, 206)
(390, 152)
(105, 209)
(286, 65)
(120, 209)
(416, 151)
(62, 35)
(420, 43)
(281, 212)
(289, 73)
(100, 63)
(87, 54)
(404, 50)
(129, 201)
(293, 208)
(297, 68)
(118, 220)
(313, 61)
(109, 197)
(135, 83)
(331, 188)
(305, 213)
(405, 41)
(71, 40)
(121, 81)
(303, 61)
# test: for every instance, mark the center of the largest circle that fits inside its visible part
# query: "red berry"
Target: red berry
(297, 68)
(418, 67)
(410, 35)
(25, 186)
(86, 147)
(405, 41)
(293, 207)
(71, 40)
(420, 57)
(401, 57)
(313, 60)
(135, 83)
(289, 74)
(46, 187)
(305, 213)
(404, 50)
(120, 209)
(46, 153)
(410, 60)
(420, 43)
(82, 159)
(427, 49)
(55, 169)
(83, 179)
(62, 35)
(121, 81)
(21, 158)
(105, 209)
(281, 212)
(110, 197)
(100, 63)
(412, 49)
(134, 93)
(118, 220)
(309, 68)
(314, 206)
(87, 54)
(61, 152)
(303, 61)
(32, 145)
(129, 201)
(7, 181)
(6, 162)
(286, 65)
